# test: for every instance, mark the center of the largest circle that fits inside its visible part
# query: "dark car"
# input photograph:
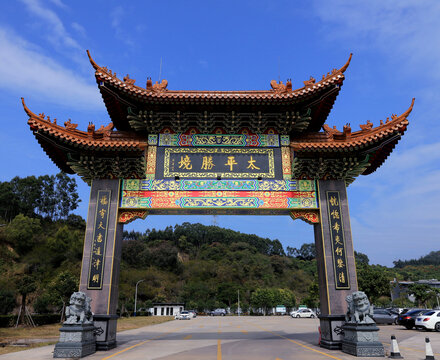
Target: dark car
(382, 316)
(408, 319)
(218, 312)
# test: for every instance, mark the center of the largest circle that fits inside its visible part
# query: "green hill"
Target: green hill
(41, 244)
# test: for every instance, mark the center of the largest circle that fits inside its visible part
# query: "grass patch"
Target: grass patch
(10, 349)
(51, 332)
(39, 332)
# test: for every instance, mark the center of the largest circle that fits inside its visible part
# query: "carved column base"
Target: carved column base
(362, 340)
(105, 331)
(331, 331)
(76, 341)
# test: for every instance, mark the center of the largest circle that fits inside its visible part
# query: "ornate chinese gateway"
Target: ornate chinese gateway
(265, 152)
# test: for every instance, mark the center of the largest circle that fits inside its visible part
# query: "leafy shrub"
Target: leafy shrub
(7, 320)
(7, 301)
(44, 319)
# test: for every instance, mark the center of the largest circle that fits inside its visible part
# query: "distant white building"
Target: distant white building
(167, 309)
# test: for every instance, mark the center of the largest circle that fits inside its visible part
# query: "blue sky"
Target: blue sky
(207, 45)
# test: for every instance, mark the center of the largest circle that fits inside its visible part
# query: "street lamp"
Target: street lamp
(136, 295)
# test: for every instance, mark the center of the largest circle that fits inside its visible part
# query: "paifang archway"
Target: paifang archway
(218, 152)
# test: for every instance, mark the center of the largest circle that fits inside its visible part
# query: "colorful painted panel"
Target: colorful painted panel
(287, 164)
(99, 241)
(206, 184)
(151, 162)
(230, 163)
(219, 199)
(342, 280)
(263, 140)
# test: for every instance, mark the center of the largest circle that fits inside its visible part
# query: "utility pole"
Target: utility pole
(136, 295)
(238, 302)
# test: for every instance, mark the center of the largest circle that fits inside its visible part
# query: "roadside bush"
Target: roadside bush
(7, 302)
(44, 319)
(41, 305)
(7, 320)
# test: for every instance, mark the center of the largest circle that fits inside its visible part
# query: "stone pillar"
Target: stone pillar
(101, 259)
(335, 259)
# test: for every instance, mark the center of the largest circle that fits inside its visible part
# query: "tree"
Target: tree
(22, 233)
(52, 196)
(373, 281)
(67, 196)
(312, 299)
(7, 301)
(361, 259)
(284, 297)
(305, 252)
(61, 288)
(26, 285)
(422, 293)
(263, 299)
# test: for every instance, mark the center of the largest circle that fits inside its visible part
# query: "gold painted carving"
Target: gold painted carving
(309, 216)
(126, 217)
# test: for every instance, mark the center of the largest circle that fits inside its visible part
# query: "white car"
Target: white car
(183, 315)
(303, 313)
(429, 320)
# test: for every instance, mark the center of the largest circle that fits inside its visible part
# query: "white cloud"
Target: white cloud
(405, 30)
(57, 33)
(397, 209)
(117, 16)
(79, 29)
(59, 3)
(28, 73)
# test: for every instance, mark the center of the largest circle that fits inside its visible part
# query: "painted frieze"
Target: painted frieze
(257, 140)
(219, 199)
(208, 184)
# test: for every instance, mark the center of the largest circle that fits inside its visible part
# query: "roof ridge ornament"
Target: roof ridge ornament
(129, 81)
(279, 87)
(366, 127)
(342, 69)
(29, 112)
(407, 112)
(310, 82)
(158, 87)
(69, 125)
(94, 64)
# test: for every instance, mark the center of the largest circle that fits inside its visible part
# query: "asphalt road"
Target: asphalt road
(230, 338)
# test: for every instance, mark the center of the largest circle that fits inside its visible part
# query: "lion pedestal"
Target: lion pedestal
(77, 336)
(360, 331)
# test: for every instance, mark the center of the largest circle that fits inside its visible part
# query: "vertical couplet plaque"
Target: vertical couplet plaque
(342, 281)
(99, 241)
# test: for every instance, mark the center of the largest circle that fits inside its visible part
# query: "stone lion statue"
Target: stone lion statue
(79, 310)
(359, 309)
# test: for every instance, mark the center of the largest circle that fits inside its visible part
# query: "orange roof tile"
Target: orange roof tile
(333, 139)
(278, 95)
(102, 139)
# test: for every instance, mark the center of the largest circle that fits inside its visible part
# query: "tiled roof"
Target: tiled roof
(101, 139)
(334, 140)
(280, 93)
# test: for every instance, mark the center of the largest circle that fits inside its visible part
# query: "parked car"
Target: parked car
(218, 312)
(429, 320)
(303, 312)
(183, 315)
(382, 316)
(408, 319)
(192, 313)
